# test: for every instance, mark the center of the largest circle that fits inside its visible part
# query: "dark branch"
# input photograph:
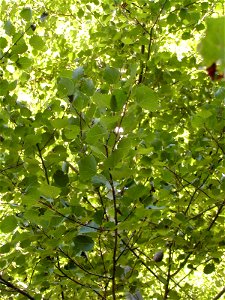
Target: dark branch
(15, 288)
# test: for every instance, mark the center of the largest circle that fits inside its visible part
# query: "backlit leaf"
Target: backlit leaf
(8, 224)
(37, 42)
(26, 14)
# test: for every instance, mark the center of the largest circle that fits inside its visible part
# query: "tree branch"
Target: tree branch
(15, 288)
(219, 294)
(114, 261)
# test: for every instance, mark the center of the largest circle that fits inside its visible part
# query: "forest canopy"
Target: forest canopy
(112, 172)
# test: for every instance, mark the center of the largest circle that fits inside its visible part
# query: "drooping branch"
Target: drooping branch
(15, 288)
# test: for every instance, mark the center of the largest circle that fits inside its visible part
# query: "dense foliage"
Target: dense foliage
(112, 174)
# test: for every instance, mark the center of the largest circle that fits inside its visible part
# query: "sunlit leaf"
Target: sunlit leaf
(49, 191)
(26, 14)
(24, 63)
(3, 43)
(212, 45)
(37, 42)
(8, 224)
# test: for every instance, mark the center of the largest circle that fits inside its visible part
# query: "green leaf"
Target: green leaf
(60, 178)
(98, 217)
(96, 134)
(212, 46)
(222, 185)
(65, 86)
(8, 224)
(78, 73)
(70, 266)
(26, 14)
(180, 217)
(121, 98)
(174, 295)
(172, 18)
(4, 87)
(87, 86)
(3, 43)
(90, 227)
(220, 93)
(71, 131)
(98, 180)
(83, 243)
(31, 196)
(209, 268)
(101, 100)
(147, 98)
(49, 191)
(111, 75)
(87, 167)
(113, 103)
(24, 63)
(5, 248)
(127, 40)
(66, 73)
(9, 28)
(19, 48)
(37, 43)
(186, 35)
(80, 100)
(59, 123)
(112, 160)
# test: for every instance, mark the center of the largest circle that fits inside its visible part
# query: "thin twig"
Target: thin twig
(72, 219)
(11, 167)
(216, 216)
(43, 163)
(80, 266)
(166, 292)
(215, 140)
(78, 282)
(114, 260)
